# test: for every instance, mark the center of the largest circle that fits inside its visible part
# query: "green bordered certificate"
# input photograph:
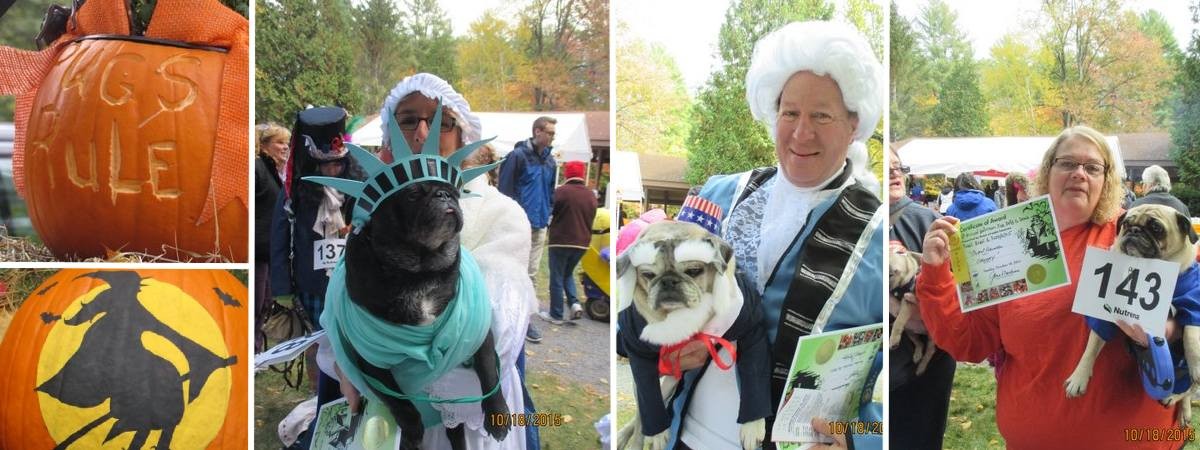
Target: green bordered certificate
(1007, 254)
(827, 379)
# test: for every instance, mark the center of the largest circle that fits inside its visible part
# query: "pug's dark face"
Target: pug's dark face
(1157, 232)
(421, 218)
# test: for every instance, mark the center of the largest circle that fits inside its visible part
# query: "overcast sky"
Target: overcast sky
(985, 22)
(686, 29)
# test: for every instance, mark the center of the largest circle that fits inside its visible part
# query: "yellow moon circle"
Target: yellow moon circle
(203, 416)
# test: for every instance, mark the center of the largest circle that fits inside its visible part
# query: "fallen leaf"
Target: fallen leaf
(965, 425)
(535, 386)
(567, 418)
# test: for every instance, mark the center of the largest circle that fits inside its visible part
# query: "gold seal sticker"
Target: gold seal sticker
(1036, 274)
(825, 352)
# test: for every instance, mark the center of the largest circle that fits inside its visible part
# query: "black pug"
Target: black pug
(403, 267)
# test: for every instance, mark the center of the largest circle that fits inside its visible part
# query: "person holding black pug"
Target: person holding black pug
(496, 233)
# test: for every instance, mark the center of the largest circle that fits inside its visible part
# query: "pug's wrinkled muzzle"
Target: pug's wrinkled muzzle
(1139, 243)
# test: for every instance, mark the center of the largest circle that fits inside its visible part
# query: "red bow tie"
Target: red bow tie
(669, 366)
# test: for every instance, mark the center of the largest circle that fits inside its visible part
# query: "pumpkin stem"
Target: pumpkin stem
(140, 12)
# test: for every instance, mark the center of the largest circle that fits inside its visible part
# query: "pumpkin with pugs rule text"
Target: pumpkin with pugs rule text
(136, 143)
(127, 359)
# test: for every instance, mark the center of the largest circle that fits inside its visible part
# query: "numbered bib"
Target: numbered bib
(327, 252)
(1114, 286)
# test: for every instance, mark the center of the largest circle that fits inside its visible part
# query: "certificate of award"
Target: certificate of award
(828, 379)
(1007, 254)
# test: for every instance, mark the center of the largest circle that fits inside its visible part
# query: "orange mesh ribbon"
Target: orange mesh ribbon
(209, 22)
(670, 366)
(201, 22)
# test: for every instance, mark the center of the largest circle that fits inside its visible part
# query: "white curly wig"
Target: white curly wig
(823, 48)
(433, 87)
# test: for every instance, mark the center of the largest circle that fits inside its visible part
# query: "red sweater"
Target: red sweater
(1043, 340)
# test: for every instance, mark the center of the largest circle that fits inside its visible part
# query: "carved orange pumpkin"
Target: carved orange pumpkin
(120, 150)
(134, 359)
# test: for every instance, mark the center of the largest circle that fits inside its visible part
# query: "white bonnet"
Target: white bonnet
(824, 48)
(433, 87)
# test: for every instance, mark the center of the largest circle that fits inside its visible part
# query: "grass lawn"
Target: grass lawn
(972, 421)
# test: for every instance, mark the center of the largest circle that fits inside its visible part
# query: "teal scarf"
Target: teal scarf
(416, 355)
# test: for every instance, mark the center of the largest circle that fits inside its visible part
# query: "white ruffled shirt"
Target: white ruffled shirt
(496, 232)
(785, 215)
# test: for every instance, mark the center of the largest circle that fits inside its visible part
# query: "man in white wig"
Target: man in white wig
(496, 233)
(807, 233)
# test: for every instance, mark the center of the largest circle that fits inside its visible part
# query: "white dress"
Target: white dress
(496, 231)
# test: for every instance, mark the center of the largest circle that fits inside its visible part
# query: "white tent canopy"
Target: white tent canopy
(627, 182)
(571, 142)
(952, 156)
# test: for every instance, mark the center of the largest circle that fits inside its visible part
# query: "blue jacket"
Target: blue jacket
(528, 178)
(970, 204)
(861, 304)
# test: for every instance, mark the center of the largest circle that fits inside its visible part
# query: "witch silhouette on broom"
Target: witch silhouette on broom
(146, 390)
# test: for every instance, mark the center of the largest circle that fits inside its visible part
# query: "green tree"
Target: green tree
(958, 108)
(652, 101)
(909, 86)
(489, 60)
(961, 109)
(383, 56)
(941, 42)
(430, 39)
(724, 137)
(1185, 131)
(304, 56)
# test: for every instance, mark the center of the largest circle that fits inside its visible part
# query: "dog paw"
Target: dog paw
(658, 441)
(752, 433)
(1185, 413)
(497, 429)
(895, 341)
(1076, 385)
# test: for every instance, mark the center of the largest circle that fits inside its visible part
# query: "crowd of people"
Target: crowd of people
(813, 217)
(504, 228)
(1031, 343)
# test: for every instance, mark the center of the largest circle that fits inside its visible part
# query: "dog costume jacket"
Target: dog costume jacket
(1042, 340)
(753, 363)
(860, 278)
(416, 355)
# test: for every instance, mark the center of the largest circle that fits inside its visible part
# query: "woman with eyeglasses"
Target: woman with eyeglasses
(495, 231)
(1039, 337)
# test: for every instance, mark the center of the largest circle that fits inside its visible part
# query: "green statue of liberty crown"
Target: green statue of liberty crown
(409, 168)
